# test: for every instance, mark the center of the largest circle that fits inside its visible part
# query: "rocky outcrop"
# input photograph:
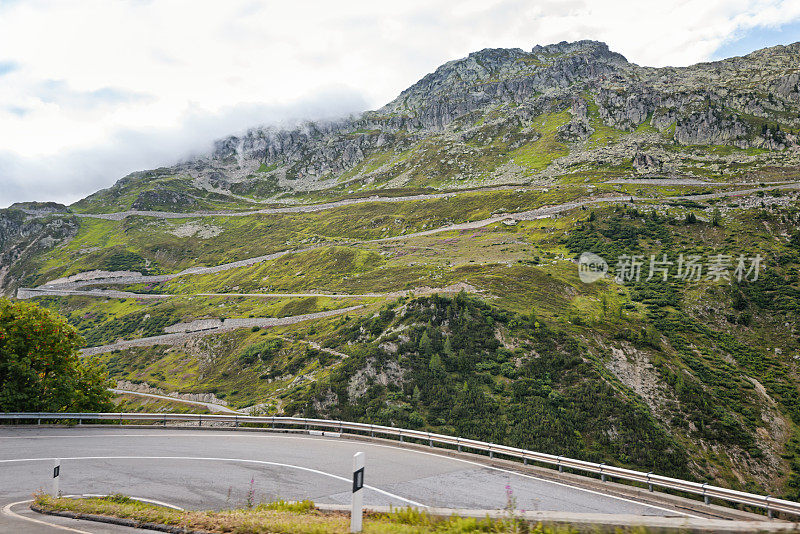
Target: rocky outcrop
(625, 109)
(387, 373)
(787, 86)
(162, 198)
(494, 76)
(575, 130)
(646, 163)
(39, 209)
(25, 231)
(712, 127)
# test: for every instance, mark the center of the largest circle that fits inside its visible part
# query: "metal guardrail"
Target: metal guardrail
(769, 503)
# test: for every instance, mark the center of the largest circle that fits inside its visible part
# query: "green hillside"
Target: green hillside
(417, 265)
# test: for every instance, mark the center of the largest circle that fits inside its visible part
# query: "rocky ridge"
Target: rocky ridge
(579, 106)
(28, 229)
(748, 102)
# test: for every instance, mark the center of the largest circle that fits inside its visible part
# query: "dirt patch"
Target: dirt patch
(193, 229)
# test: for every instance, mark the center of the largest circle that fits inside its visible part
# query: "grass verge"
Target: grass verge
(290, 518)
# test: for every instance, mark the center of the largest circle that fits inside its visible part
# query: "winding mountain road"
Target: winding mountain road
(214, 469)
(304, 208)
(218, 408)
(227, 325)
(60, 286)
(310, 208)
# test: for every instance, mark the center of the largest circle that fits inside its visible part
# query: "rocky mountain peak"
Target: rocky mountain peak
(493, 70)
(497, 100)
(38, 208)
(585, 47)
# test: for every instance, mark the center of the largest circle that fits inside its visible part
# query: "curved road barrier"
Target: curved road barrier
(767, 502)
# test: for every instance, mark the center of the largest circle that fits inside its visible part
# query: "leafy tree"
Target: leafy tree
(39, 365)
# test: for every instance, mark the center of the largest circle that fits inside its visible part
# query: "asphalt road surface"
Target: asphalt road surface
(219, 469)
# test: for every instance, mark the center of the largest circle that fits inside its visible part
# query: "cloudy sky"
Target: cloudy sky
(92, 90)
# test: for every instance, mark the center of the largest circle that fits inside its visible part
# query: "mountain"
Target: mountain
(503, 116)
(417, 265)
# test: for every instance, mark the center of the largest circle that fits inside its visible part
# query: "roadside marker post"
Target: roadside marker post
(56, 474)
(358, 492)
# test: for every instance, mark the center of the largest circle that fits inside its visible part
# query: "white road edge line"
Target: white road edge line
(524, 475)
(7, 511)
(439, 455)
(242, 460)
(91, 436)
(142, 499)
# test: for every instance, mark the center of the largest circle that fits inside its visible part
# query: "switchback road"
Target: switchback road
(218, 468)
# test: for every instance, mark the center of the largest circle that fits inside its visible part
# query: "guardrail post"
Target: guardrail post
(491, 453)
(164, 422)
(769, 510)
(56, 474)
(430, 441)
(200, 420)
(458, 441)
(602, 475)
(39, 421)
(357, 502)
(705, 497)
(372, 431)
(80, 421)
(649, 484)
(524, 460)
(235, 421)
(560, 467)
(401, 437)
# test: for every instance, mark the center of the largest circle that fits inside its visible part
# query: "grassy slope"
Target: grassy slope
(99, 242)
(700, 352)
(245, 367)
(104, 321)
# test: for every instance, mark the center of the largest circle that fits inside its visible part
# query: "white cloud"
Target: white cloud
(70, 174)
(78, 76)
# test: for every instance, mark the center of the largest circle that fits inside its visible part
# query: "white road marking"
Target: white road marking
(500, 469)
(438, 455)
(207, 459)
(7, 511)
(142, 499)
(93, 436)
(524, 475)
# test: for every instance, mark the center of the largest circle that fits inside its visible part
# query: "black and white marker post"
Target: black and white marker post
(358, 492)
(56, 474)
